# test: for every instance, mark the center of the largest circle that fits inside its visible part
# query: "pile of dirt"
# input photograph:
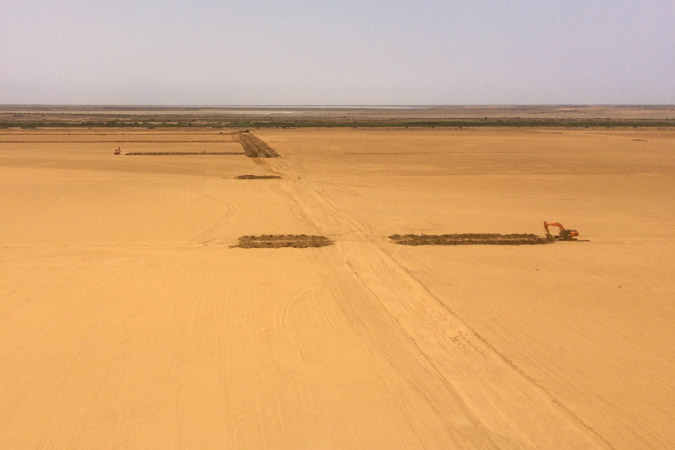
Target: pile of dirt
(257, 177)
(469, 239)
(283, 240)
(254, 147)
(183, 153)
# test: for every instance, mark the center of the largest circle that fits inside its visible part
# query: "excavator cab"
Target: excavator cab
(564, 234)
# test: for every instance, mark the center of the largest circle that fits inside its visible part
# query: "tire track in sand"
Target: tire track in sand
(500, 396)
(227, 209)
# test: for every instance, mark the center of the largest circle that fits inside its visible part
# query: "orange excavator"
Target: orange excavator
(564, 235)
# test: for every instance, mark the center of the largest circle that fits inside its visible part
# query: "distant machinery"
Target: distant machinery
(563, 235)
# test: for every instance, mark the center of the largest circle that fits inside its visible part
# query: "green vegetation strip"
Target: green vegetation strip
(122, 122)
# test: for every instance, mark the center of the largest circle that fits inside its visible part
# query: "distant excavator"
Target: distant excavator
(564, 235)
(118, 151)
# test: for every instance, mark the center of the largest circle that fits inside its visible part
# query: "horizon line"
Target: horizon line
(383, 105)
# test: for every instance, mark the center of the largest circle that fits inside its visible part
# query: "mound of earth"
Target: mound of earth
(257, 177)
(183, 153)
(469, 239)
(283, 240)
(256, 147)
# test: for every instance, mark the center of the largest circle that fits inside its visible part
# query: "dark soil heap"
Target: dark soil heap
(255, 147)
(469, 239)
(283, 240)
(257, 177)
(183, 153)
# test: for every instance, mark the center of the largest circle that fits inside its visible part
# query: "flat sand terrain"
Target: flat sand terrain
(129, 318)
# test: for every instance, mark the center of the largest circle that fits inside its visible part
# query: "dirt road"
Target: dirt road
(128, 319)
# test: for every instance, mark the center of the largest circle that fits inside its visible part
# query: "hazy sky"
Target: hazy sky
(207, 52)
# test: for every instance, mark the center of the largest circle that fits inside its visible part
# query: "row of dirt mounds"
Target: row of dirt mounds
(305, 241)
(469, 239)
(117, 141)
(283, 240)
(205, 153)
(257, 177)
(254, 147)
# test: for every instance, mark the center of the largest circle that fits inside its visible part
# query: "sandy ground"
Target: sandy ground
(127, 320)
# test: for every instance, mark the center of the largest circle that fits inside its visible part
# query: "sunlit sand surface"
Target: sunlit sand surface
(129, 318)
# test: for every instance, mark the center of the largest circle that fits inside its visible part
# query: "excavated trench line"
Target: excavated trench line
(182, 153)
(254, 147)
(469, 239)
(283, 240)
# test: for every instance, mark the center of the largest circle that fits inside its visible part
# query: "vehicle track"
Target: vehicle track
(441, 337)
(227, 207)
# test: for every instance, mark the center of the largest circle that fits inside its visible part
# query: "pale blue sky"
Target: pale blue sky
(207, 52)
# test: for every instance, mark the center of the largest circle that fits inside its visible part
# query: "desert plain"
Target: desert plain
(129, 318)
